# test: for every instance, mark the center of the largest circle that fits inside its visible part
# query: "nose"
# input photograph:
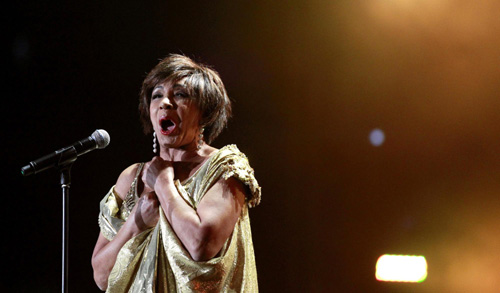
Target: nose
(166, 103)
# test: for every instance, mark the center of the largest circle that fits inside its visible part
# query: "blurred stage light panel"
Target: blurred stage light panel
(401, 268)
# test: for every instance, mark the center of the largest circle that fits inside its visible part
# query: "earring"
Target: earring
(155, 150)
(200, 138)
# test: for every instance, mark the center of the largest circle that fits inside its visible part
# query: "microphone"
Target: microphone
(60, 158)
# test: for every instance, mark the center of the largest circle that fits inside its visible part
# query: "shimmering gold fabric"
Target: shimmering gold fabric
(156, 261)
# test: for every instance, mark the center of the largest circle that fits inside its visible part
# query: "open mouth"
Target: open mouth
(167, 125)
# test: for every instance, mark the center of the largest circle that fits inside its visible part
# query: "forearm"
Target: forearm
(204, 230)
(105, 255)
(189, 227)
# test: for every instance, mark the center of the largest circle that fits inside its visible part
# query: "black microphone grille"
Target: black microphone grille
(101, 138)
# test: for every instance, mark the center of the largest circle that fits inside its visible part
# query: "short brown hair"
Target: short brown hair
(202, 82)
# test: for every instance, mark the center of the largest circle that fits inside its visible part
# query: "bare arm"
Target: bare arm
(143, 216)
(205, 230)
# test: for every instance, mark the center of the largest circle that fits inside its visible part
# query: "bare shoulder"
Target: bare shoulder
(125, 180)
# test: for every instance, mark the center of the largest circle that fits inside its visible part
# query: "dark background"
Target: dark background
(310, 80)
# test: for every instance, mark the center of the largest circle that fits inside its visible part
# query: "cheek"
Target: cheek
(193, 115)
(152, 107)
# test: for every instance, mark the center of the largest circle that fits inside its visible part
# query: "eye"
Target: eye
(156, 96)
(180, 94)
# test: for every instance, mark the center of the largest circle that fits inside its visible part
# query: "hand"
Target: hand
(146, 213)
(157, 168)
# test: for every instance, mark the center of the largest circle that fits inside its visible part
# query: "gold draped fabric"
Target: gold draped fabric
(156, 261)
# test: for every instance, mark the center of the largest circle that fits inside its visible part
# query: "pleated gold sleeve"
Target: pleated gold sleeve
(156, 261)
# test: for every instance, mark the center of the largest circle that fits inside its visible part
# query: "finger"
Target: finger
(156, 160)
(145, 169)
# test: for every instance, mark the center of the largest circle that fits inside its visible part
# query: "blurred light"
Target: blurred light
(377, 137)
(401, 268)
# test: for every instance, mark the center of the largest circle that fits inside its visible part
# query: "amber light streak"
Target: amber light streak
(426, 72)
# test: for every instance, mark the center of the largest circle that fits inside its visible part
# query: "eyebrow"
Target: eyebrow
(157, 87)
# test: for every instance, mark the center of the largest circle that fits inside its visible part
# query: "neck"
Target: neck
(185, 154)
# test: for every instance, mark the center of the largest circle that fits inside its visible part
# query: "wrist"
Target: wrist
(163, 182)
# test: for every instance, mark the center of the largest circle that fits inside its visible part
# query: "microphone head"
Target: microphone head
(101, 138)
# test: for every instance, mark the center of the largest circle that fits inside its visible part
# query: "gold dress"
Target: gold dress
(156, 260)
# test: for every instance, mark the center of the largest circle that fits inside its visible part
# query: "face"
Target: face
(174, 115)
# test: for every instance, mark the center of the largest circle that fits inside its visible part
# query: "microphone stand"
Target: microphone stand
(63, 160)
(67, 157)
(65, 184)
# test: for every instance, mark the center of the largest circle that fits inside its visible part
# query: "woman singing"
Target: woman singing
(179, 223)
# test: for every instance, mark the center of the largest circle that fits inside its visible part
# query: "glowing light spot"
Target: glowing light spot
(377, 137)
(401, 268)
